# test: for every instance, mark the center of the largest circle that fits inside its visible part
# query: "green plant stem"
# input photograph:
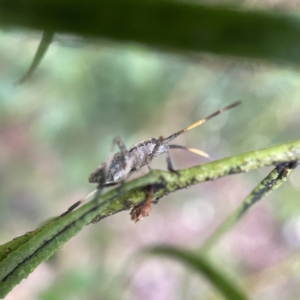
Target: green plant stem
(164, 24)
(22, 255)
(273, 181)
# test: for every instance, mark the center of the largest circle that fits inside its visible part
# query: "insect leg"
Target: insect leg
(168, 158)
(145, 155)
(124, 160)
(102, 183)
(161, 142)
(96, 193)
(131, 163)
(76, 204)
(117, 141)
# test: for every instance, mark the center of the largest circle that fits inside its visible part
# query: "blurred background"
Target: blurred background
(58, 127)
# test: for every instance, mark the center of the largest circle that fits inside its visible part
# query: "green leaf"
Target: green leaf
(41, 51)
(202, 266)
(23, 254)
(180, 26)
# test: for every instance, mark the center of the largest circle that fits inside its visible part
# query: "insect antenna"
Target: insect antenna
(200, 122)
(193, 150)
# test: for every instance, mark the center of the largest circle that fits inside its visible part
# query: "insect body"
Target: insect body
(118, 167)
(126, 161)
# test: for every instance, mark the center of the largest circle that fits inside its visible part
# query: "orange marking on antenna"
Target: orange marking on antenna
(195, 125)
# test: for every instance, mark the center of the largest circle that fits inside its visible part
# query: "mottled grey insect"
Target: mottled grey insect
(120, 165)
(117, 168)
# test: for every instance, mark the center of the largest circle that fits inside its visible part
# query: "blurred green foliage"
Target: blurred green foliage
(57, 127)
